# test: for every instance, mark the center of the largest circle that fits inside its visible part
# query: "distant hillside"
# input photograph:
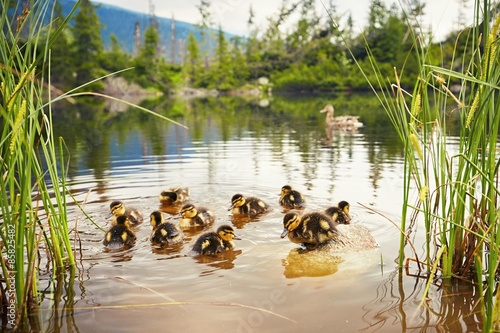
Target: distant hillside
(121, 22)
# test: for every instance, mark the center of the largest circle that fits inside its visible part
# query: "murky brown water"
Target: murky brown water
(265, 285)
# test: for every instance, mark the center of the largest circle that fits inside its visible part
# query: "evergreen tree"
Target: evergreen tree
(115, 59)
(87, 46)
(192, 68)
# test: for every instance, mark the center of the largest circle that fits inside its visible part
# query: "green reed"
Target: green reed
(33, 223)
(452, 189)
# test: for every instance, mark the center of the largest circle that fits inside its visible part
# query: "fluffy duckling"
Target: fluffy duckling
(340, 213)
(348, 123)
(211, 243)
(193, 216)
(311, 229)
(175, 195)
(120, 234)
(250, 205)
(290, 198)
(117, 208)
(164, 232)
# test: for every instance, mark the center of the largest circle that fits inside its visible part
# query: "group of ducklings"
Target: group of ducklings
(309, 229)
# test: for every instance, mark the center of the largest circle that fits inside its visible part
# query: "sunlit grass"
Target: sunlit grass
(454, 194)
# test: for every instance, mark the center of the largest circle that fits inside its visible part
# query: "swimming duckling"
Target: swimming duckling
(212, 243)
(133, 214)
(176, 195)
(193, 216)
(347, 123)
(250, 205)
(120, 234)
(340, 213)
(311, 229)
(164, 232)
(290, 198)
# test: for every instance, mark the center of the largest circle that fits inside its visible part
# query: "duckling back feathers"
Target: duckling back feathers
(164, 232)
(247, 205)
(119, 234)
(290, 198)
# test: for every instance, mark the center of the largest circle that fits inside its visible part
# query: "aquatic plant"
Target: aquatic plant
(453, 193)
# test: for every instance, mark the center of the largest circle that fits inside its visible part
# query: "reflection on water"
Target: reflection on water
(310, 263)
(265, 284)
(453, 306)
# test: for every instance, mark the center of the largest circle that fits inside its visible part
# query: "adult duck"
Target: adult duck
(346, 123)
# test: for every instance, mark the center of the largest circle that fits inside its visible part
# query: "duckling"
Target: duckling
(340, 213)
(175, 195)
(290, 198)
(311, 229)
(120, 234)
(250, 205)
(164, 232)
(347, 123)
(193, 216)
(133, 214)
(212, 243)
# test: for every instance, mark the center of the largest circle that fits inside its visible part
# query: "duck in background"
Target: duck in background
(134, 216)
(290, 198)
(345, 123)
(249, 206)
(174, 196)
(310, 230)
(211, 243)
(192, 216)
(164, 232)
(340, 213)
(120, 234)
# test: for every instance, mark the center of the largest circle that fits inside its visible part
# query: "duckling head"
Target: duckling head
(344, 205)
(169, 195)
(226, 233)
(156, 218)
(290, 221)
(188, 211)
(122, 220)
(285, 190)
(237, 200)
(117, 208)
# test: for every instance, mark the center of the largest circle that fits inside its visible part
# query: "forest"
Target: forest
(320, 53)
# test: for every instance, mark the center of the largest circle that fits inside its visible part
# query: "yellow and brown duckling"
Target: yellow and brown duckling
(340, 213)
(164, 232)
(174, 196)
(311, 229)
(211, 243)
(250, 205)
(120, 234)
(290, 198)
(117, 208)
(192, 216)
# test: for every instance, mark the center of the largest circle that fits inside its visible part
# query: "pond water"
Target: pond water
(251, 147)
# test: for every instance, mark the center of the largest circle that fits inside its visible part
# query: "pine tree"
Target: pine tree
(87, 46)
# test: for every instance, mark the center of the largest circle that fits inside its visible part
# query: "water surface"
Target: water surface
(264, 285)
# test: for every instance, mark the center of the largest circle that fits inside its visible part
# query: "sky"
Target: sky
(232, 15)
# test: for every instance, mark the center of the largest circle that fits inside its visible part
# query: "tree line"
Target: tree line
(317, 52)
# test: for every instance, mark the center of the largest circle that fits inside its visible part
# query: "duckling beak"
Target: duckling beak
(109, 215)
(284, 233)
(230, 207)
(236, 237)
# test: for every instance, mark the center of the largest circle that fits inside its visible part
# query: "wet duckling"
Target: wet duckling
(212, 243)
(193, 216)
(250, 205)
(290, 198)
(175, 195)
(133, 214)
(120, 234)
(164, 232)
(340, 213)
(311, 229)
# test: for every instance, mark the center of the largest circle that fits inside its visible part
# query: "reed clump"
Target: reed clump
(33, 221)
(451, 183)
